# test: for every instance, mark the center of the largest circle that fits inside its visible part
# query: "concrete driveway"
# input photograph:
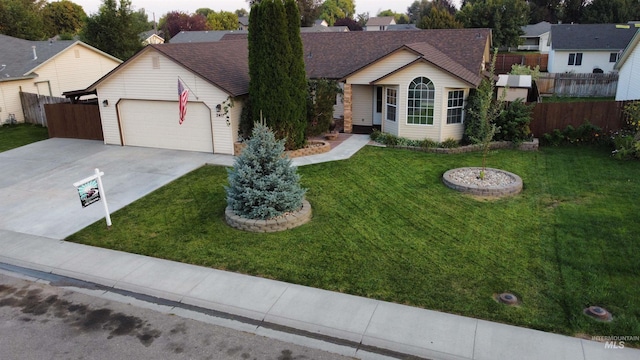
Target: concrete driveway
(37, 195)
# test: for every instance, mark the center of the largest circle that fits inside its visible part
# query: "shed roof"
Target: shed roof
(514, 81)
(591, 36)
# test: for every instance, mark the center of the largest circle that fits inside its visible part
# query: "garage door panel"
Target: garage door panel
(155, 124)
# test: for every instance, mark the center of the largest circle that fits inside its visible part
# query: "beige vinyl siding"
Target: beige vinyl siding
(139, 80)
(455, 131)
(443, 82)
(362, 108)
(10, 98)
(66, 72)
(381, 68)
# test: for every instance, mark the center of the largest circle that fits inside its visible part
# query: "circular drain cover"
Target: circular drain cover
(598, 313)
(508, 298)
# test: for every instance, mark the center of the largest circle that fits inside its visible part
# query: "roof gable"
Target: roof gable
(628, 50)
(381, 21)
(224, 64)
(330, 55)
(24, 57)
(590, 36)
(536, 30)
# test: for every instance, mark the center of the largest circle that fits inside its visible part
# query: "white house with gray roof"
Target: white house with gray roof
(628, 66)
(536, 37)
(587, 48)
(46, 68)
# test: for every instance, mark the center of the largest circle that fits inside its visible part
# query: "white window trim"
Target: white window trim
(406, 102)
(464, 102)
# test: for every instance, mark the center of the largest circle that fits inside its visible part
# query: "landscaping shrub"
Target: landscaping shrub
(586, 133)
(450, 143)
(626, 142)
(262, 182)
(428, 143)
(514, 122)
(321, 96)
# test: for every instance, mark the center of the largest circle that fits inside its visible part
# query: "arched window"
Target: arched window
(421, 101)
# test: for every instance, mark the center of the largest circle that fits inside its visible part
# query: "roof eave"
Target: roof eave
(422, 59)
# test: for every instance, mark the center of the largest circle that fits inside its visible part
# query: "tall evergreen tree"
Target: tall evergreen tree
(276, 68)
(297, 118)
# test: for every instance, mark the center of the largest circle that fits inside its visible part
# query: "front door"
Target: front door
(378, 99)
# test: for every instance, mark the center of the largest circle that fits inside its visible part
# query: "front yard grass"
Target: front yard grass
(385, 227)
(13, 136)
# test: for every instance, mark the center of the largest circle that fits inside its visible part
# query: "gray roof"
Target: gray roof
(320, 28)
(147, 34)
(591, 36)
(380, 21)
(202, 36)
(536, 30)
(244, 20)
(17, 56)
(397, 27)
(514, 81)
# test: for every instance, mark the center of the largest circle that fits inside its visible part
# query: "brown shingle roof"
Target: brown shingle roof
(223, 63)
(332, 55)
(335, 55)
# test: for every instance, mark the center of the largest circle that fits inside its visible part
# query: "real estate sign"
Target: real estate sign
(90, 190)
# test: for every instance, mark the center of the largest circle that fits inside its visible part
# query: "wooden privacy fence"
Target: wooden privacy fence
(77, 121)
(33, 107)
(607, 115)
(505, 61)
(578, 85)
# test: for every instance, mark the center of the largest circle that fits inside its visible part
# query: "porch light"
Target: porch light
(105, 103)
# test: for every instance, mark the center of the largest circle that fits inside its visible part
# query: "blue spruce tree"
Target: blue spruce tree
(262, 183)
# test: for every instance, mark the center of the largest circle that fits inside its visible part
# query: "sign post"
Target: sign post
(90, 191)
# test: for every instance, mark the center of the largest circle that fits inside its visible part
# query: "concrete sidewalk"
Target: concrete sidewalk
(356, 323)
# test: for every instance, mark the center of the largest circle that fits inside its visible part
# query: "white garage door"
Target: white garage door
(155, 124)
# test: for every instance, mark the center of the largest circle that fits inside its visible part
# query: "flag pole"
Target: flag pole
(190, 89)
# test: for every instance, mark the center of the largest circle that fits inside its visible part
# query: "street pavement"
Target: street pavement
(40, 208)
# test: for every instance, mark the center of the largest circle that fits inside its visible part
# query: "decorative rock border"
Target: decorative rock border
(532, 145)
(314, 147)
(285, 222)
(512, 188)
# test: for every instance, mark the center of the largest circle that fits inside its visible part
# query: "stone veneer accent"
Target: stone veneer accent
(286, 222)
(319, 148)
(497, 191)
(348, 111)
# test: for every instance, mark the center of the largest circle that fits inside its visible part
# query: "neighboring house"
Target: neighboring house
(46, 68)
(587, 48)
(151, 37)
(380, 23)
(203, 36)
(628, 67)
(409, 83)
(243, 23)
(536, 37)
(402, 27)
(514, 86)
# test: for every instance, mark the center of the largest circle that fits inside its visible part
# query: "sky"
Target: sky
(161, 7)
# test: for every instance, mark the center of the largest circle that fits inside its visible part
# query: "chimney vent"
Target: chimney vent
(35, 56)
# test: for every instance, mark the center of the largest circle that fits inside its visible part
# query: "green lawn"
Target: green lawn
(385, 227)
(13, 136)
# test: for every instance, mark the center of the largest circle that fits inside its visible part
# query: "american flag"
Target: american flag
(184, 97)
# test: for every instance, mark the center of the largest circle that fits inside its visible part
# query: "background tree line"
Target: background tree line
(116, 27)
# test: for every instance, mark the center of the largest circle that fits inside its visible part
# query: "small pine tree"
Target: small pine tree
(263, 184)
